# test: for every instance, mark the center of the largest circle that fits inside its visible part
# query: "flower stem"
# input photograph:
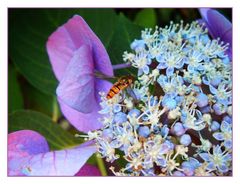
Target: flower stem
(101, 166)
(55, 112)
(121, 66)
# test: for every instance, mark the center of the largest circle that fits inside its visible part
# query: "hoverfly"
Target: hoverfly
(120, 85)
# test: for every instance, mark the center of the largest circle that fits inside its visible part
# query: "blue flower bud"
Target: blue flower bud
(205, 109)
(189, 166)
(228, 119)
(183, 116)
(188, 171)
(134, 113)
(169, 103)
(170, 144)
(164, 131)
(137, 44)
(179, 99)
(145, 69)
(192, 40)
(202, 100)
(204, 38)
(117, 108)
(144, 131)
(162, 80)
(178, 129)
(185, 139)
(216, 81)
(107, 133)
(156, 129)
(178, 173)
(215, 126)
(153, 101)
(226, 60)
(120, 117)
(219, 109)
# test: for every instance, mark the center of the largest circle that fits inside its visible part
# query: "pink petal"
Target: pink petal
(88, 170)
(28, 154)
(68, 38)
(58, 163)
(22, 144)
(83, 122)
(76, 88)
(86, 122)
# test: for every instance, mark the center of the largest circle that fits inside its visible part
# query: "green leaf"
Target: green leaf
(146, 18)
(92, 160)
(29, 30)
(27, 39)
(37, 100)
(15, 98)
(54, 134)
(124, 34)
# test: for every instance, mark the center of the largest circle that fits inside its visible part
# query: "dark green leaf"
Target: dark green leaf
(27, 39)
(92, 160)
(54, 134)
(15, 98)
(146, 18)
(37, 100)
(166, 14)
(124, 34)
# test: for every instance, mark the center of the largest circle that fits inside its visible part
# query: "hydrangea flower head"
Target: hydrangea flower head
(183, 85)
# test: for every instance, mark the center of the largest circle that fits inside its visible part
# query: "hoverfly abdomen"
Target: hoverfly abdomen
(120, 85)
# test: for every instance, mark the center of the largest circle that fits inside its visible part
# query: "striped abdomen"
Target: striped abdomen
(121, 84)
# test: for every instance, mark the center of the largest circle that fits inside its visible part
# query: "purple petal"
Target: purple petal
(170, 71)
(26, 142)
(225, 127)
(70, 37)
(211, 165)
(28, 155)
(83, 122)
(213, 90)
(223, 167)
(218, 25)
(219, 136)
(76, 88)
(178, 173)
(205, 156)
(162, 65)
(58, 163)
(86, 122)
(217, 150)
(88, 170)
(228, 144)
(164, 148)
(22, 144)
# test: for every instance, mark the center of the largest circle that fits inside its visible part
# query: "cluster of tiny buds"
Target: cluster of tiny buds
(176, 118)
